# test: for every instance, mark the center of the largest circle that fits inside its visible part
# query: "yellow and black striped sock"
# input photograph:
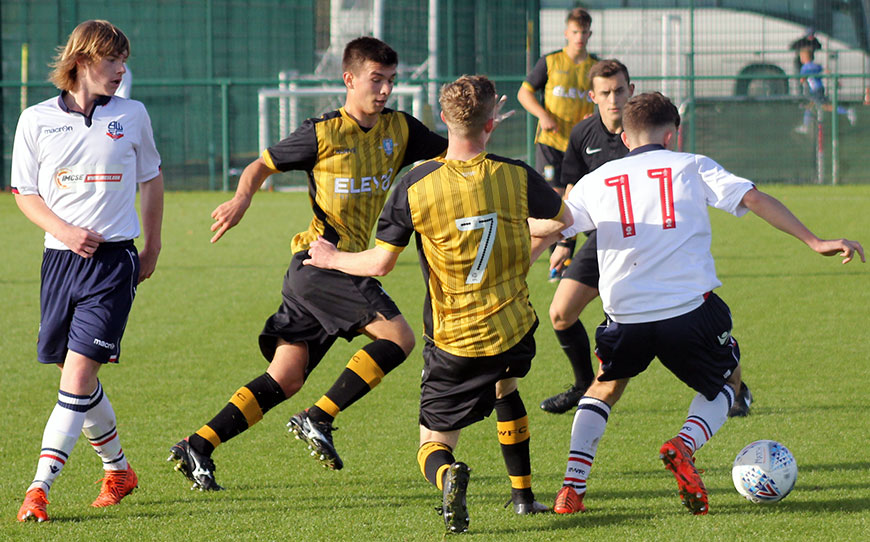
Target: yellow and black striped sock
(434, 458)
(245, 408)
(513, 436)
(364, 371)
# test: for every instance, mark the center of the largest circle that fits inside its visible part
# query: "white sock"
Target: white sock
(705, 418)
(59, 438)
(101, 430)
(590, 421)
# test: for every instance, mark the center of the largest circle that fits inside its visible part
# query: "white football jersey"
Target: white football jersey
(86, 170)
(650, 210)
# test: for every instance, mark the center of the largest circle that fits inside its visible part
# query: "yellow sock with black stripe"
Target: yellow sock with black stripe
(364, 371)
(434, 459)
(245, 408)
(513, 436)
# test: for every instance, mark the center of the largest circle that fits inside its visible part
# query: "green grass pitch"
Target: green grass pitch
(802, 322)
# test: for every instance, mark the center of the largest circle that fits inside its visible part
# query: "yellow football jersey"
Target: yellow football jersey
(473, 241)
(566, 97)
(351, 170)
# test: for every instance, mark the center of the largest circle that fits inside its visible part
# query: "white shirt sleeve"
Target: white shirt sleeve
(147, 157)
(582, 219)
(25, 164)
(723, 189)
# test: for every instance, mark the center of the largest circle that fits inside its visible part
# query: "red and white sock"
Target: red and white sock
(59, 437)
(101, 430)
(590, 421)
(705, 418)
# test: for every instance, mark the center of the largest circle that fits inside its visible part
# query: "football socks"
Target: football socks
(575, 342)
(513, 436)
(245, 408)
(434, 459)
(60, 436)
(590, 421)
(101, 430)
(705, 418)
(364, 371)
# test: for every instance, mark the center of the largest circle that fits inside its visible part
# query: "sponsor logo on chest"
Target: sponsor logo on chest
(79, 179)
(363, 185)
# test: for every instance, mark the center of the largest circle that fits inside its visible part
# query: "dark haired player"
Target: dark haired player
(657, 281)
(351, 156)
(594, 141)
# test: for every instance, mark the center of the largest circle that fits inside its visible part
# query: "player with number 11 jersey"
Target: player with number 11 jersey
(650, 209)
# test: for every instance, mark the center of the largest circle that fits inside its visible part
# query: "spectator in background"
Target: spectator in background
(814, 88)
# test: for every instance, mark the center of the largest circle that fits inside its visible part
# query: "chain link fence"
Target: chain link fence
(198, 66)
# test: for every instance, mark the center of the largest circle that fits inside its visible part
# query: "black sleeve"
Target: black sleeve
(538, 76)
(573, 165)
(544, 202)
(423, 143)
(298, 151)
(394, 225)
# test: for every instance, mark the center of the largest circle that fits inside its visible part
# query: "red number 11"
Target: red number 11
(666, 193)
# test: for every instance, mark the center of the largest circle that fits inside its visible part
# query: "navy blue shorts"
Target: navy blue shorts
(85, 302)
(320, 305)
(697, 347)
(457, 391)
(584, 264)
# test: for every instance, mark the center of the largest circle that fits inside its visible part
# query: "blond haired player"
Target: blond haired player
(76, 163)
(469, 211)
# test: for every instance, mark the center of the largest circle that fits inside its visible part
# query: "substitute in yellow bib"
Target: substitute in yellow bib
(470, 214)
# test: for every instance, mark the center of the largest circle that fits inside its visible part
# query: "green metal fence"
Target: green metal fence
(198, 66)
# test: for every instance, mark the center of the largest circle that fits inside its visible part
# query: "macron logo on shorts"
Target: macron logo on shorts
(104, 344)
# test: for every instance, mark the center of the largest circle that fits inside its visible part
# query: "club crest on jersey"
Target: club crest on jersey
(115, 130)
(388, 146)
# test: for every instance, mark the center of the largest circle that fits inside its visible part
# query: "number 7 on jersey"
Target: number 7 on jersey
(489, 224)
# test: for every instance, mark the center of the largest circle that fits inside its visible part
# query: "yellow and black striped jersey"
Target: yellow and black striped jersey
(350, 170)
(566, 97)
(473, 242)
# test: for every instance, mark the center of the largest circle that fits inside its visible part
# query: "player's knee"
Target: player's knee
(288, 376)
(559, 316)
(405, 339)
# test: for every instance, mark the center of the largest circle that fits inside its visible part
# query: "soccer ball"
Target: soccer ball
(764, 471)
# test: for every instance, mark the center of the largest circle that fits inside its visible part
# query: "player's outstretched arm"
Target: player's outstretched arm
(229, 213)
(151, 203)
(82, 241)
(778, 215)
(374, 262)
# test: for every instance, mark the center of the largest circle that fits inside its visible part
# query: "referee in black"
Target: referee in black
(594, 141)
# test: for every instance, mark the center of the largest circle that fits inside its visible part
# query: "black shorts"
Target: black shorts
(697, 347)
(320, 305)
(584, 264)
(457, 391)
(548, 162)
(84, 302)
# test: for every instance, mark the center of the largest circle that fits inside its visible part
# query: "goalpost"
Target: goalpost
(297, 103)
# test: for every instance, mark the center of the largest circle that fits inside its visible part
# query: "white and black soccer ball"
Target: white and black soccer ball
(764, 471)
